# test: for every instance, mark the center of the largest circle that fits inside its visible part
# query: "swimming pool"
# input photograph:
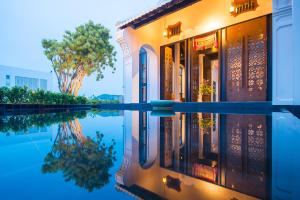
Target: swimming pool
(104, 154)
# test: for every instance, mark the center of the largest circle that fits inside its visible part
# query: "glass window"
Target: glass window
(7, 77)
(43, 84)
(31, 83)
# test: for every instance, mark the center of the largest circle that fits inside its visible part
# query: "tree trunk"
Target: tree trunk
(70, 83)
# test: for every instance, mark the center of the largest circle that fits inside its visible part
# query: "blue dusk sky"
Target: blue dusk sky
(24, 23)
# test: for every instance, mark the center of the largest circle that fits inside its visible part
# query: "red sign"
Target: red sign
(206, 42)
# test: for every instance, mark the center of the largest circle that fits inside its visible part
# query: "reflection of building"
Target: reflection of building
(195, 155)
(11, 76)
(211, 50)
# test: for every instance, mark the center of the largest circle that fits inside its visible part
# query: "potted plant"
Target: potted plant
(206, 90)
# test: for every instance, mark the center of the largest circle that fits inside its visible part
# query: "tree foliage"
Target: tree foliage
(21, 123)
(79, 54)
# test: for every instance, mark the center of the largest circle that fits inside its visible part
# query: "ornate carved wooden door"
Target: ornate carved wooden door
(246, 61)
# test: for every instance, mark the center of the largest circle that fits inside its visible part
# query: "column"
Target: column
(122, 39)
(296, 51)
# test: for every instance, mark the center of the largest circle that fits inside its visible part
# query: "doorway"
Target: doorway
(205, 69)
(173, 79)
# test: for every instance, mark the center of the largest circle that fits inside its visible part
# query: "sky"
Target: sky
(24, 23)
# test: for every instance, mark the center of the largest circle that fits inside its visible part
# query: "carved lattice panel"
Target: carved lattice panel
(234, 71)
(168, 65)
(246, 61)
(257, 57)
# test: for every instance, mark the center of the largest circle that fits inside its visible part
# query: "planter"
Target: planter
(206, 98)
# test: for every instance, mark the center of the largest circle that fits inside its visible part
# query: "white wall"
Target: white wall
(296, 50)
(283, 68)
(286, 59)
(13, 72)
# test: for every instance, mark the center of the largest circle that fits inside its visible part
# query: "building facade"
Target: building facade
(12, 76)
(211, 51)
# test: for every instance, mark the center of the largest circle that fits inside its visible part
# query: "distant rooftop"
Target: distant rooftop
(5, 67)
(164, 7)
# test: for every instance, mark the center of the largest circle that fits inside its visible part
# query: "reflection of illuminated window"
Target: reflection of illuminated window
(182, 130)
(143, 138)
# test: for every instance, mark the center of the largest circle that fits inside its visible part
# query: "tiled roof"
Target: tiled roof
(162, 8)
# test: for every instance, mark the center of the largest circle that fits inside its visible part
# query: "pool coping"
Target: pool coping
(265, 108)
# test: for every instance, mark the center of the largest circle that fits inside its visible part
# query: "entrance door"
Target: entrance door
(246, 61)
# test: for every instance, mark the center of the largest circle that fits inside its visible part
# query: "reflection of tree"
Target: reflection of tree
(81, 159)
(17, 123)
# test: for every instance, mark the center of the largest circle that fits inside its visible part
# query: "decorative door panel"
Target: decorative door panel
(246, 61)
(168, 76)
(195, 76)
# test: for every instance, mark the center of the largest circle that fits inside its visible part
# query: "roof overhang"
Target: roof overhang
(157, 12)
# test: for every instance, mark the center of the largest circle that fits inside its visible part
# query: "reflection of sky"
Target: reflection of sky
(21, 162)
(24, 24)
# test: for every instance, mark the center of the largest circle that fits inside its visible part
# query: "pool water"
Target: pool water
(103, 154)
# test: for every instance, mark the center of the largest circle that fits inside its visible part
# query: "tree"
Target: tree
(79, 54)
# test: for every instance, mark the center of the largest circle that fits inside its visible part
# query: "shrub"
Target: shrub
(23, 95)
(4, 94)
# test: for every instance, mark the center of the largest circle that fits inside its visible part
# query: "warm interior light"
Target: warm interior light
(165, 33)
(164, 180)
(231, 9)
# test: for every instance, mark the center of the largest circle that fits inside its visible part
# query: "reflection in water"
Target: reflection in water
(199, 152)
(246, 153)
(22, 123)
(81, 159)
(198, 155)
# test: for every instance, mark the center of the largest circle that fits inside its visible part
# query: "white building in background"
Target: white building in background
(12, 76)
